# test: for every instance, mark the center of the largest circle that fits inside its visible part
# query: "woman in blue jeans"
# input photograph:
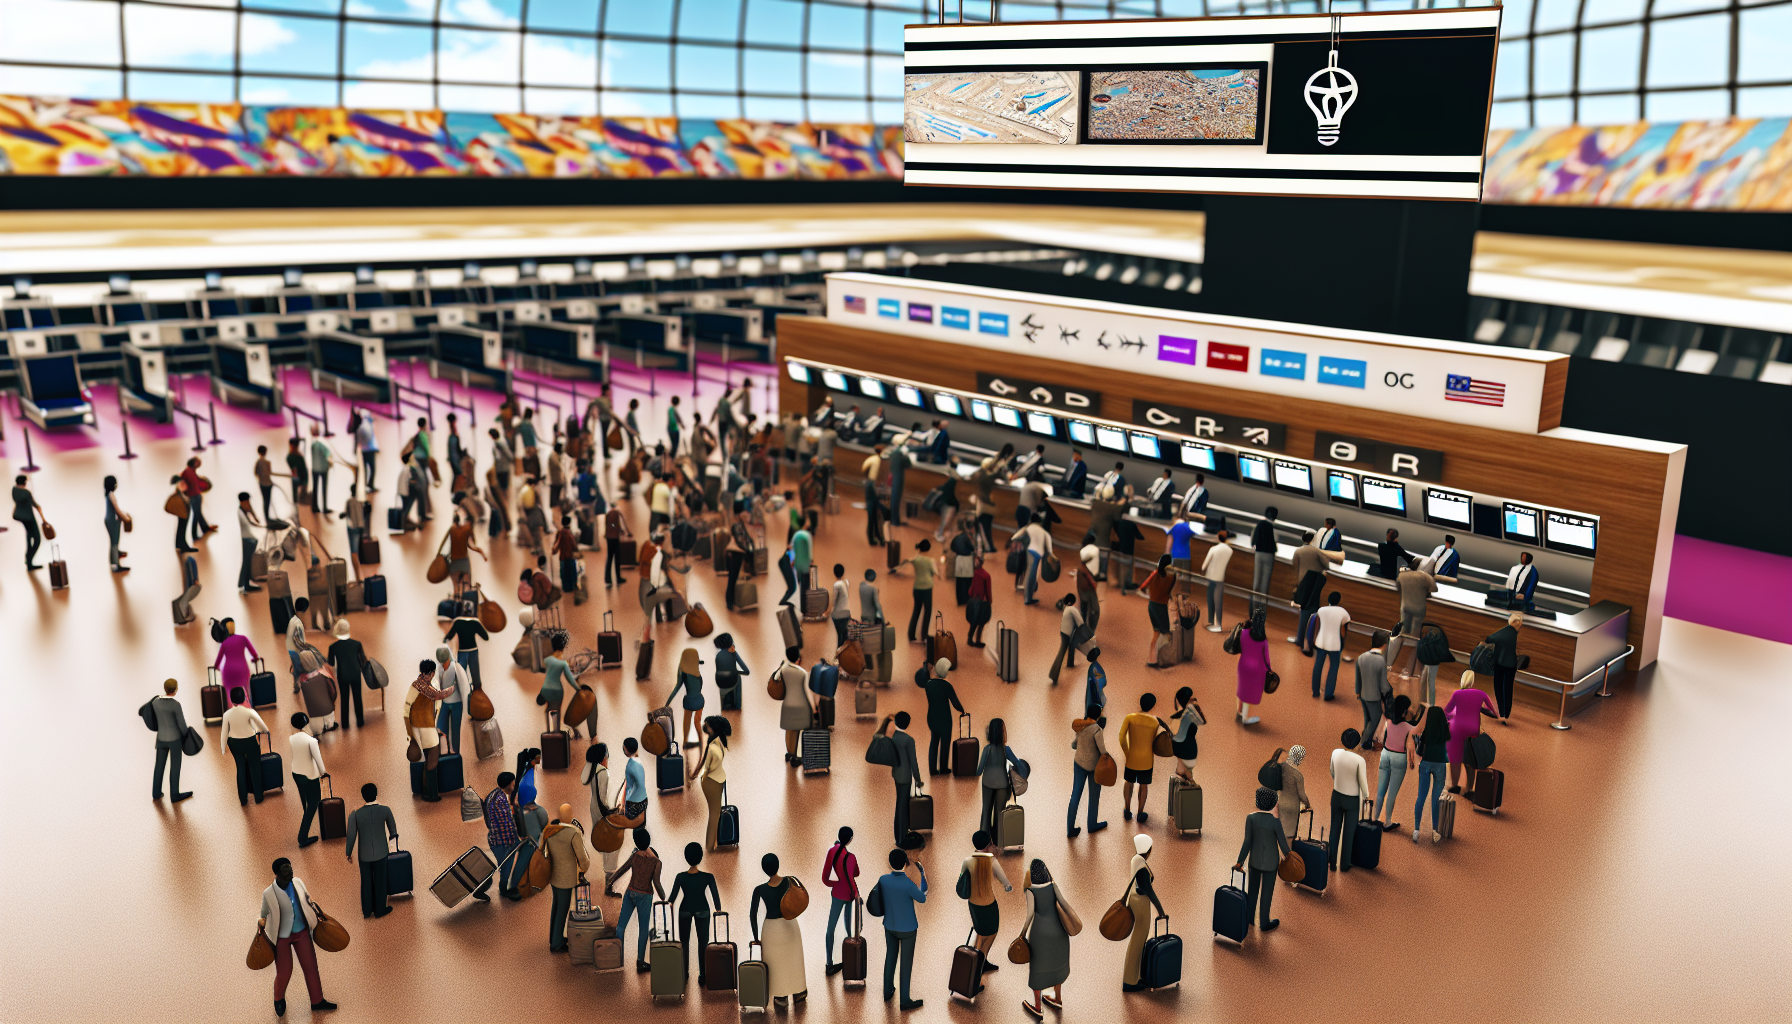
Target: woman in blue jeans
(1399, 752)
(1434, 757)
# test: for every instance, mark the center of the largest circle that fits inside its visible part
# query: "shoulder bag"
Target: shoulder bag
(1116, 923)
(795, 901)
(1073, 925)
(329, 934)
(774, 687)
(1232, 645)
(261, 951)
(1163, 742)
(438, 566)
(1292, 868)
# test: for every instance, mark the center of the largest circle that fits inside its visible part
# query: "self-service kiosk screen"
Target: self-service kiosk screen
(1384, 496)
(1145, 446)
(834, 380)
(798, 372)
(948, 404)
(1294, 476)
(980, 410)
(1043, 424)
(1081, 432)
(1253, 469)
(1565, 531)
(1008, 416)
(871, 387)
(1519, 523)
(1111, 438)
(1447, 508)
(1341, 486)
(909, 395)
(1197, 456)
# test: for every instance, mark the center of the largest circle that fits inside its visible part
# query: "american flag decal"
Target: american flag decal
(855, 304)
(1458, 388)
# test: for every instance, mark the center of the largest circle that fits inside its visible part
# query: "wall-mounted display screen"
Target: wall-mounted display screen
(835, 380)
(1448, 508)
(1197, 456)
(1294, 476)
(1008, 416)
(1574, 534)
(980, 410)
(1111, 438)
(1384, 496)
(798, 372)
(908, 395)
(1082, 433)
(948, 404)
(1145, 445)
(1341, 486)
(1253, 469)
(1042, 423)
(871, 387)
(1519, 523)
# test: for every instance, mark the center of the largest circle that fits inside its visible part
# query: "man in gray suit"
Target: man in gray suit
(1307, 558)
(870, 608)
(906, 772)
(1415, 585)
(371, 824)
(171, 729)
(1264, 846)
(1372, 681)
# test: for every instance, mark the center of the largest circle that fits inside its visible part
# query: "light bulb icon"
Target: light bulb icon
(1329, 93)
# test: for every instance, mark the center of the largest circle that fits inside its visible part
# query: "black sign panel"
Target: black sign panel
(1382, 456)
(1052, 396)
(1210, 426)
(1412, 97)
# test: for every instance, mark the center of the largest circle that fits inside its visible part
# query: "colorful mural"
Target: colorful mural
(1734, 164)
(54, 136)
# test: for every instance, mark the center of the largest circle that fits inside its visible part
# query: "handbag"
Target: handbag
(1018, 950)
(1232, 645)
(1107, 771)
(438, 566)
(1163, 742)
(491, 614)
(1073, 925)
(1116, 922)
(49, 531)
(1482, 659)
(192, 743)
(479, 706)
(881, 751)
(697, 621)
(1271, 681)
(774, 687)
(471, 807)
(1292, 868)
(261, 951)
(176, 505)
(851, 658)
(795, 901)
(329, 935)
(413, 753)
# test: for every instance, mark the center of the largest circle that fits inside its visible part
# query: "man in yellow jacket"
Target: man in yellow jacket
(564, 843)
(1136, 733)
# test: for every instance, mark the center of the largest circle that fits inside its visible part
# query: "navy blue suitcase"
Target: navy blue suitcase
(669, 772)
(728, 822)
(398, 873)
(1317, 859)
(395, 520)
(1232, 909)
(373, 590)
(280, 611)
(273, 768)
(449, 774)
(263, 692)
(417, 777)
(1365, 844)
(1160, 965)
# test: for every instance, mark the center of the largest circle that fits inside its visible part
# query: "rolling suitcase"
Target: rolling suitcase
(854, 956)
(273, 768)
(1489, 791)
(332, 815)
(864, 699)
(791, 632)
(375, 589)
(824, 712)
(746, 596)
(965, 750)
(719, 957)
(1231, 911)
(665, 956)
(755, 981)
(644, 660)
(816, 750)
(262, 689)
(1314, 855)
(369, 551)
(966, 980)
(488, 739)
(727, 822)
(1007, 653)
(885, 667)
(609, 643)
(354, 596)
(1011, 828)
(399, 877)
(211, 703)
(556, 749)
(1445, 825)
(58, 569)
(1365, 843)
(893, 554)
(668, 772)
(451, 775)
(280, 611)
(1160, 965)
(718, 546)
(606, 952)
(1185, 805)
(920, 813)
(395, 520)
(471, 872)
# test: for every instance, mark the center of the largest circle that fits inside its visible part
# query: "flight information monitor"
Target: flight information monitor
(1042, 423)
(1111, 438)
(1519, 523)
(1294, 476)
(1448, 508)
(834, 379)
(871, 387)
(798, 372)
(909, 395)
(1387, 496)
(1145, 445)
(1253, 469)
(1196, 455)
(1341, 486)
(1081, 432)
(948, 404)
(1574, 534)
(980, 410)
(1008, 416)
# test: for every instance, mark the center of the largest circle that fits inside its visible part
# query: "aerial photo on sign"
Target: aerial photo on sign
(991, 106)
(1192, 105)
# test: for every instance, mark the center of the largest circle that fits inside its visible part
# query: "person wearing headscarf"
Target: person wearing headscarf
(690, 680)
(1293, 798)
(1140, 899)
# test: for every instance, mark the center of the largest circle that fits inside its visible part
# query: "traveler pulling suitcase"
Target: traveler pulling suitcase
(332, 815)
(471, 872)
(965, 749)
(727, 823)
(791, 632)
(399, 877)
(1314, 855)
(665, 955)
(1006, 653)
(816, 750)
(966, 980)
(1185, 805)
(755, 980)
(920, 813)
(669, 772)
(1231, 911)
(1489, 791)
(1160, 965)
(719, 957)
(609, 643)
(273, 768)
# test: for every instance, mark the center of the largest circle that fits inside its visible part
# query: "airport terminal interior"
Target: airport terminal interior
(1144, 475)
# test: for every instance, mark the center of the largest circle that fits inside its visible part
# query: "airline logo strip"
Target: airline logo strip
(1176, 350)
(992, 323)
(1350, 373)
(1280, 363)
(1221, 356)
(957, 318)
(920, 312)
(891, 308)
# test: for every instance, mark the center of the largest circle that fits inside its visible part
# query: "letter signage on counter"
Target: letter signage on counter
(1382, 456)
(1453, 382)
(1055, 396)
(1210, 426)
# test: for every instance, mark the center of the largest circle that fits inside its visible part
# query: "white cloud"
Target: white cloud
(262, 34)
(39, 30)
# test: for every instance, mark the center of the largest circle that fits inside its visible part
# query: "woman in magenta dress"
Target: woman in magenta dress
(1253, 663)
(235, 653)
(1464, 711)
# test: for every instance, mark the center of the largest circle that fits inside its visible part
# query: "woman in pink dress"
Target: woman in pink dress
(1464, 711)
(235, 653)
(1253, 664)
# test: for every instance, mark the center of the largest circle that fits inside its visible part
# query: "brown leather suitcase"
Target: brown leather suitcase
(644, 660)
(942, 644)
(966, 981)
(854, 958)
(211, 702)
(719, 957)
(369, 553)
(332, 815)
(58, 573)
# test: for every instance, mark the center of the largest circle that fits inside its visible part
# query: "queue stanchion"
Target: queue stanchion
(212, 418)
(323, 415)
(199, 445)
(124, 425)
(30, 465)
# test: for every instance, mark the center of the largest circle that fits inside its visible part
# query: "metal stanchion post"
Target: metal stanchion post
(212, 415)
(30, 465)
(323, 414)
(199, 445)
(124, 425)
(295, 419)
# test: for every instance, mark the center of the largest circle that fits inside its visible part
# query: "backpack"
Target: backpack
(1270, 775)
(874, 903)
(824, 679)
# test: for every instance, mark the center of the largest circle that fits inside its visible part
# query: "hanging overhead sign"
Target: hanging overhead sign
(1241, 431)
(1053, 396)
(1385, 104)
(1389, 457)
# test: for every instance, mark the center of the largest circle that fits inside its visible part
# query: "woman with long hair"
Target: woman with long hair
(235, 653)
(1399, 752)
(1434, 753)
(1253, 667)
(716, 731)
(1188, 719)
(690, 680)
(1050, 920)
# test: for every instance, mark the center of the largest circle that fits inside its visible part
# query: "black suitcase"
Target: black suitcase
(1007, 653)
(398, 873)
(263, 692)
(1232, 909)
(395, 520)
(727, 822)
(893, 554)
(418, 770)
(965, 750)
(920, 813)
(1365, 844)
(280, 610)
(1314, 854)
(273, 768)
(450, 774)
(1490, 790)
(609, 643)
(1160, 964)
(644, 661)
(332, 815)
(373, 589)
(669, 772)
(817, 751)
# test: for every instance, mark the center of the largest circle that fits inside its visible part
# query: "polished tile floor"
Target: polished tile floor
(1632, 875)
